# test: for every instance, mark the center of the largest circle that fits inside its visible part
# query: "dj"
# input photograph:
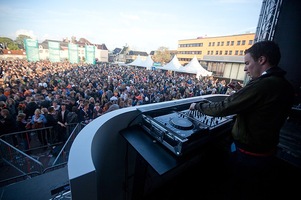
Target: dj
(261, 108)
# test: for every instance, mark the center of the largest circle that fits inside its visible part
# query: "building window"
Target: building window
(222, 44)
(218, 43)
(238, 42)
(226, 52)
(230, 52)
(241, 52)
(232, 43)
(211, 52)
(243, 42)
(250, 42)
(208, 52)
(228, 43)
(216, 53)
(209, 44)
(236, 52)
(213, 43)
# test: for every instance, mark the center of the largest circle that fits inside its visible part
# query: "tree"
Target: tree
(162, 55)
(7, 43)
(20, 40)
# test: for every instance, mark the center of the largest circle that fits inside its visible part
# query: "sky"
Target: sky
(139, 24)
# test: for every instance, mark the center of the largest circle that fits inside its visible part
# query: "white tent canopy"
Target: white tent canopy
(194, 67)
(173, 65)
(148, 63)
(137, 62)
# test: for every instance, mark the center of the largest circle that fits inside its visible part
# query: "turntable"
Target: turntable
(182, 131)
(181, 123)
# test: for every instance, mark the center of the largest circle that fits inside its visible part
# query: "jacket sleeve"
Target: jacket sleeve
(238, 102)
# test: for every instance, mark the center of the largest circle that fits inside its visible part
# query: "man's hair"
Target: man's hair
(268, 49)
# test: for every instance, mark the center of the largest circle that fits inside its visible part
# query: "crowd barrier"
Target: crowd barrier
(21, 150)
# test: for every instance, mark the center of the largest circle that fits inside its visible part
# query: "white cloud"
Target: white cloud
(25, 32)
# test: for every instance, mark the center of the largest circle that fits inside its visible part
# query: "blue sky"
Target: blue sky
(142, 25)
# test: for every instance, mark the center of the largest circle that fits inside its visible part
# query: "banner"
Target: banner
(90, 54)
(73, 53)
(54, 51)
(32, 49)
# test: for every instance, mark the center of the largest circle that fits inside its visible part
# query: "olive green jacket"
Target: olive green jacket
(261, 109)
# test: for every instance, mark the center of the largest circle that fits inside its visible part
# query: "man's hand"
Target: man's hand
(192, 106)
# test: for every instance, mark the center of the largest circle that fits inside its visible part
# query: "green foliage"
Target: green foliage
(162, 55)
(13, 45)
(20, 40)
(6, 42)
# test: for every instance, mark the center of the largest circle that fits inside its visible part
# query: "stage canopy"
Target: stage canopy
(173, 65)
(148, 63)
(194, 67)
(137, 62)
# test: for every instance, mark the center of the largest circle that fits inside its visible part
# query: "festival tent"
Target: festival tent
(137, 62)
(173, 65)
(194, 67)
(148, 63)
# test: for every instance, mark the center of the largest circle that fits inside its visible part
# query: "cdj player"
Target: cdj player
(183, 131)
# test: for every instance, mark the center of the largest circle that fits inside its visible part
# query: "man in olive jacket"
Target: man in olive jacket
(261, 107)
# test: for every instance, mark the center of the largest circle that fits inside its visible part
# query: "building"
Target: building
(126, 55)
(223, 55)
(101, 51)
(12, 54)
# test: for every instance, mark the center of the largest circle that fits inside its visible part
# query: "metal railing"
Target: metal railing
(64, 152)
(21, 151)
(25, 166)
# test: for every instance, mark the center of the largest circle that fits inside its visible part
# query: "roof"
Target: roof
(14, 52)
(141, 53)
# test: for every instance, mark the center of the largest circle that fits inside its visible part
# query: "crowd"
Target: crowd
(65, 93)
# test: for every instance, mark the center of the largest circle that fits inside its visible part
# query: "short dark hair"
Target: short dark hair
(267, 48)
(50, 109)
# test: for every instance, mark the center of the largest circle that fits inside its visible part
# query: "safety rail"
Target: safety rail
(28, 140)
(19, 160)
(21, 151)
(64, 152)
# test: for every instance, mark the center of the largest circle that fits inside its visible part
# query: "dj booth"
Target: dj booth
(129, 153)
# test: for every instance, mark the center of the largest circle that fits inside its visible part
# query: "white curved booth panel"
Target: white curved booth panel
(102, 164)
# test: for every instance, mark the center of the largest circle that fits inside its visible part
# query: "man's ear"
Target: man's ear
(262, 60)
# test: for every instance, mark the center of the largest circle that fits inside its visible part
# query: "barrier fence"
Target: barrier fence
(21, 151)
